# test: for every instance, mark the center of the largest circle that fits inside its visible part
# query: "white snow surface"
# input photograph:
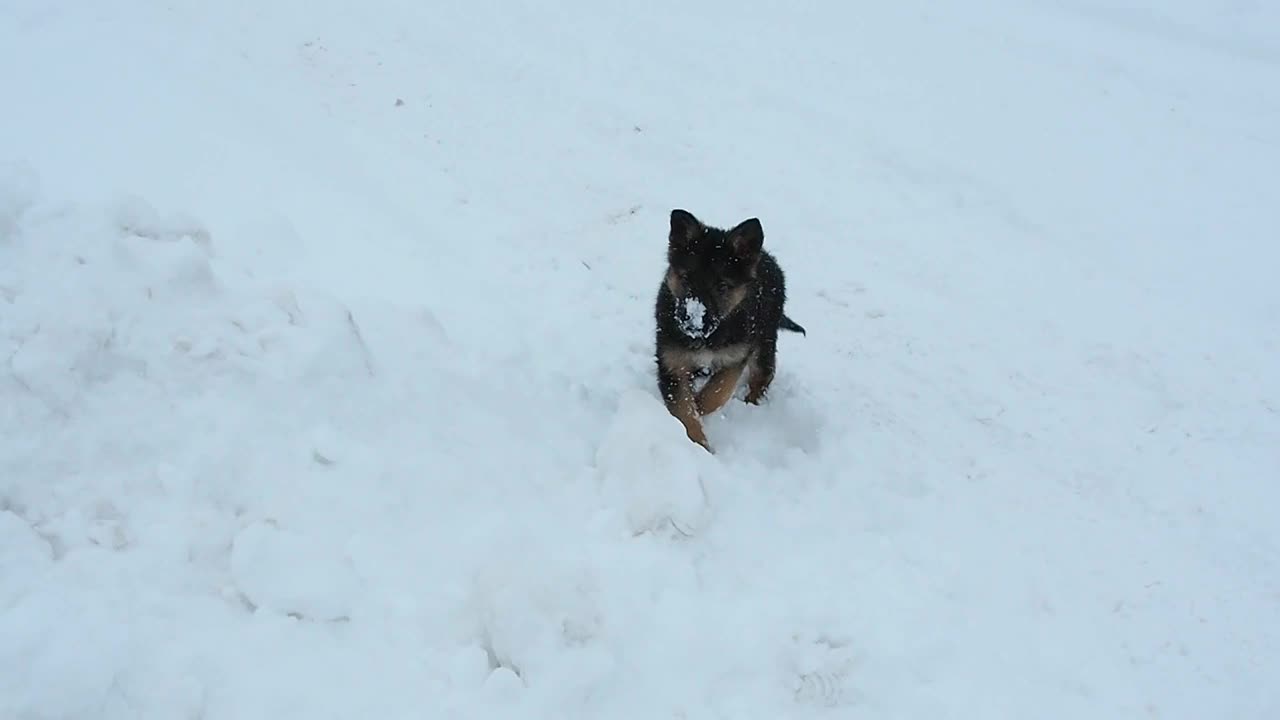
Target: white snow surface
(327, 372)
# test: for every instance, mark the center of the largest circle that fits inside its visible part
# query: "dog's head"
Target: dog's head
(714, 267)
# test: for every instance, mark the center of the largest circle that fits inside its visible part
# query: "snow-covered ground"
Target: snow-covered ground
(326, 379)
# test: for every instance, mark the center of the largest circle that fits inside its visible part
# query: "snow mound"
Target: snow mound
(19, 188)
(24, 557)
(293, 574)
(650, 468)
(67, 669)
(823, 671)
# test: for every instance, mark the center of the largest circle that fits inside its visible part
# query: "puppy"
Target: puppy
(719, 310)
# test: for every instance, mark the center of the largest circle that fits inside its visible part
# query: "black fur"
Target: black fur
(743, 291)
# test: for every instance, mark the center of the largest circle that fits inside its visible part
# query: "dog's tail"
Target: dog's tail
(787, 323)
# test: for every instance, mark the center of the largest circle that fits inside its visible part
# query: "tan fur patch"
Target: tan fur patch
(674, 284)
(719, 389)
(733, 299)
(705, 358)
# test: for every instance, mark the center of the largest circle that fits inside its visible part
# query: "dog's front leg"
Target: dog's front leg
(761, 370)
(719, 389)
(676, 386)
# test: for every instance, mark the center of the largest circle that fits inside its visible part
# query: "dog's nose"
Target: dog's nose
(708, 300)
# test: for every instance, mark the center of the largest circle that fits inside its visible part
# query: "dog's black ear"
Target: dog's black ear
(685, 228)
(746, 239)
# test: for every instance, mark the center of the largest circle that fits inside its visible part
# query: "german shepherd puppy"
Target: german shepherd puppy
(719, 310)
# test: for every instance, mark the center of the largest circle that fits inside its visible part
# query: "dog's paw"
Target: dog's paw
(700, 439)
